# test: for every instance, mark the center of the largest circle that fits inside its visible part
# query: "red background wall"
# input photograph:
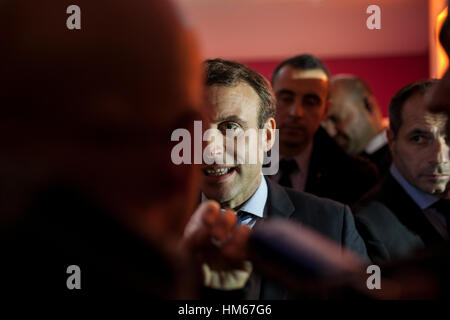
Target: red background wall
(385, 75)
(261, 33)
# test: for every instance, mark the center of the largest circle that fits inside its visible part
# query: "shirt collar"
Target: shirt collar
(379, 141)
(256, 203)
(422, 199)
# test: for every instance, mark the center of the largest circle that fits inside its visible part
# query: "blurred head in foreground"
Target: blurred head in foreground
(86, 122)
(95, 107)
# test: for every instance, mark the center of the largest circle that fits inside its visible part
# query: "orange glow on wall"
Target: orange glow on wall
(441, 59)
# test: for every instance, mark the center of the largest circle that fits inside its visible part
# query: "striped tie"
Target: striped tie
(244, 217)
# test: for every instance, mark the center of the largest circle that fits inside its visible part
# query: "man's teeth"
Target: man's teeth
(217, 172)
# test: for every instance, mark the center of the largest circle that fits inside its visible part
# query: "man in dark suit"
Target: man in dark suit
(329, 164)
(239, 100)
(406, 211)
(310, 159)
(355, 121)
(329, 218)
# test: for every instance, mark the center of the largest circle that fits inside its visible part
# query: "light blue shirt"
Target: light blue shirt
(422, 199)
(255, 204)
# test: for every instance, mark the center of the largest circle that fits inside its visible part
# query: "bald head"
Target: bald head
(354, 118)
(96, 106)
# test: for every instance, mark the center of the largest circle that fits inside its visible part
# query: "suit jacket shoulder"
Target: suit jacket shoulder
(381, 158)
(337, 175)
(391, 223)
(332, 219)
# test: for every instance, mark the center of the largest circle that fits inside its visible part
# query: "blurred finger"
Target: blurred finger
(205, 215)
(236, 247)
(211, 212)
(199, 226)
(222, 227)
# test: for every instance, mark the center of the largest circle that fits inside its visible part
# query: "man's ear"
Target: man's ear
(391, 138)
(269, 134)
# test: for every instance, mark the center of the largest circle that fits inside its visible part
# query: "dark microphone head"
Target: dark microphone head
(279, 246)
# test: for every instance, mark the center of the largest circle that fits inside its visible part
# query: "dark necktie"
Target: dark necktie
(443, 207)
(287, 167)
(244, 217)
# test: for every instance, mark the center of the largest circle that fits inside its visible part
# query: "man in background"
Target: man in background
(405, 211)
(355, 121)
(309, 159)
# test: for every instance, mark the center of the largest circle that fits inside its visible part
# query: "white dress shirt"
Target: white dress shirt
(377, 142)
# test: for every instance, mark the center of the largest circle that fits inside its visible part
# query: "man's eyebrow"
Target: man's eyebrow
(311, 95)
(418, 131)
(232, 118)
(284, 91)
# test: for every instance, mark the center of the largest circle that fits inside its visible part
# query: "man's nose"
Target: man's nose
(441, 152)
(297, 109)
(213, 146)
(213, 139)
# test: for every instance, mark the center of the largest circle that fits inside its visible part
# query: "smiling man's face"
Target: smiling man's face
(235, 109)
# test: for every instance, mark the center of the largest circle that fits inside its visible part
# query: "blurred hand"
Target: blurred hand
(219, 246)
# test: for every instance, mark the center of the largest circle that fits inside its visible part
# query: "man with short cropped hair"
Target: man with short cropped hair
(404, 212)
(239, 100)
(309, 159)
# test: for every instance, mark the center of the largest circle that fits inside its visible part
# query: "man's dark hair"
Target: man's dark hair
(302, 62)
(399, 99)
(231, 73)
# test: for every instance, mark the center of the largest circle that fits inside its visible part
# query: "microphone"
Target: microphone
(301, 259)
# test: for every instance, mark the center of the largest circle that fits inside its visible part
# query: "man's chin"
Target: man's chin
(436, 188)
(292, 136)
(221, 196)
(290, 147)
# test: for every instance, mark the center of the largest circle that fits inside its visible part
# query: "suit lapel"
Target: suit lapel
(278, 205)
(278, 202)
(408, 212)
